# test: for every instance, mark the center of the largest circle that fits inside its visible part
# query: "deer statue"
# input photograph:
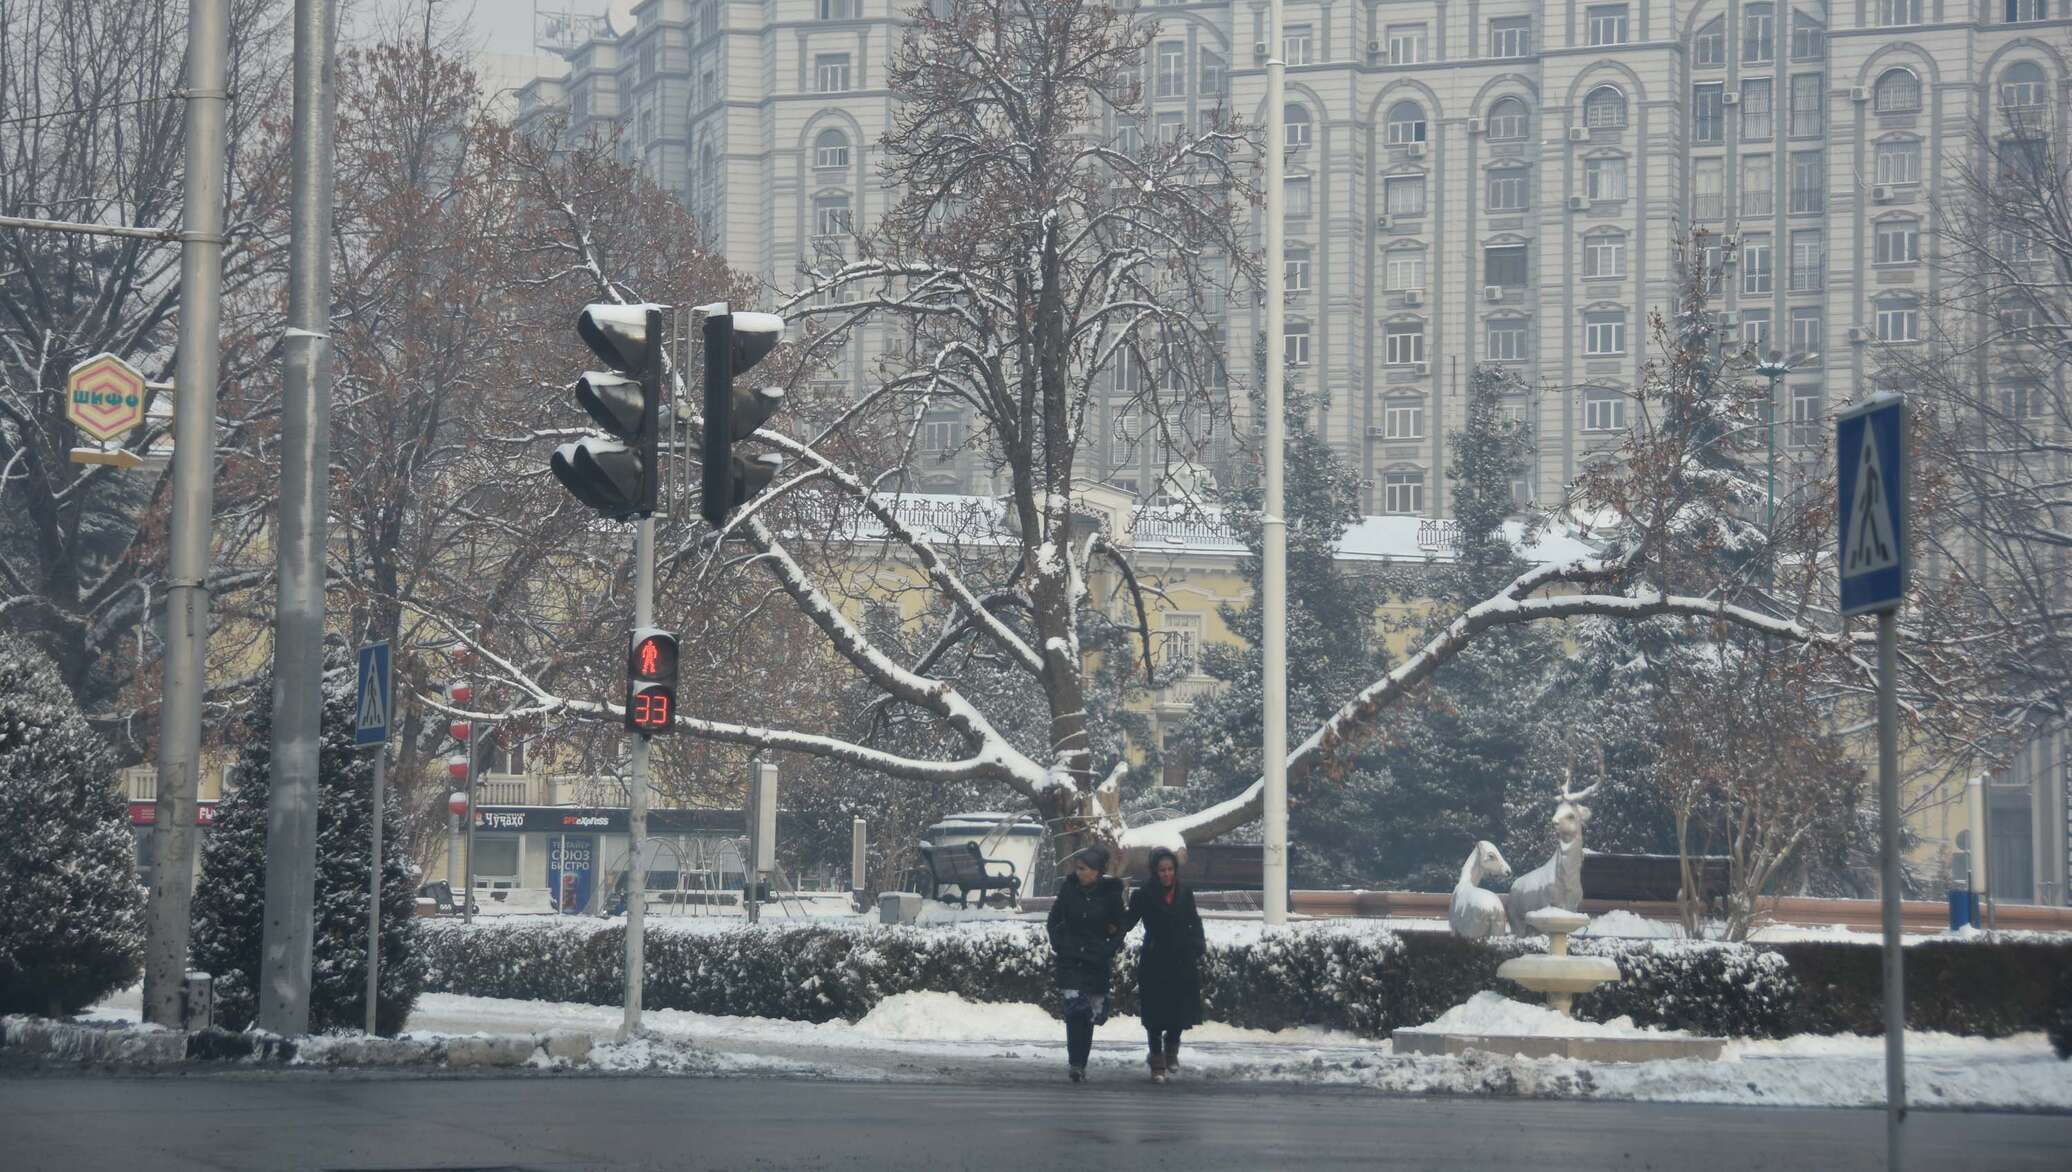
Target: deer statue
(1558, 882)
(1475, 913)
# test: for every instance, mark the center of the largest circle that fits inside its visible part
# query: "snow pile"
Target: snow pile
(1496, 1014)
(1621, 922)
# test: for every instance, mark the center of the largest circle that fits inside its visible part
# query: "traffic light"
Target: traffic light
(617, 476)
(651, 681)
(734, 343)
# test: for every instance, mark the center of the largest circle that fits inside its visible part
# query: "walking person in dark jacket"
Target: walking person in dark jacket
(1169, 967)
(1085, 927)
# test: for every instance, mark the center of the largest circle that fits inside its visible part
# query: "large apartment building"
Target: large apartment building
(1470, 182)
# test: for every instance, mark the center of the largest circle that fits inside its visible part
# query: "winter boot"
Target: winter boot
(1172, 1058)
(1078, 1074)
(1158, 1068)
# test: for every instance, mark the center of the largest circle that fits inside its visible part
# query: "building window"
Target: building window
(1402, 492)
(1295, 45)
(1171, 125)
(1805, 331)
(1755, 264)
(1403, 419)
(1758, 33)
(1808, 37)
(940, 437)
(1403, 343)
(1297, 126)
(1122, 439)
(1604, 107)
(838, 9)
(1170, 69)
(1708, 189)
(1808, 260)
(1898, 242)
(1508, 189)
(1604, 179)
(1708, 113)
(1606, 24)
(2021, 160)
(1404, 195)
(1758, 185)
(1899, 12)
(2019, 11)
(1899, 161)
(1506, 340)
(1808, 98)
(1755, 330)
(1604, 333)
(1808, 428)
(1181, 644)
(1510, 36)
(1603, 410)
(1504, 265)
(1711, 262)
(1808, 182)
(1213, 74)
(1709, 46)
(1508, 121)
(1295, 270)
(831, 150)
(1899, 323)
(1406, 44)
(1405, 270)
(1296, 188)
(1604, 256)
(1756, 122)
(1898, 92)
(1406, 124)
(1295, 344)
(831, 73)
(2022, 86)
(831, 215)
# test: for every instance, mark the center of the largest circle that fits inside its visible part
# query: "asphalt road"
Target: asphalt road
(66, 1122)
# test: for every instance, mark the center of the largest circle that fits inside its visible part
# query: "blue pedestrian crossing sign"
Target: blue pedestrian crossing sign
(1871, 466)
(376, 696)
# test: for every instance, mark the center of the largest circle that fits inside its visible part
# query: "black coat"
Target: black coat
(1085, 928)
(1169, 967)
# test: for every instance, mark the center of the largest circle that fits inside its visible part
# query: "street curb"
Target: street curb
(144, 1046)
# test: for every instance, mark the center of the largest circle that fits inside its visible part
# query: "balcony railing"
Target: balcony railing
(1187, 692)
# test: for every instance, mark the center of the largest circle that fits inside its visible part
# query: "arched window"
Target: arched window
(1297, 125)
(1508, 121)
(2022, 86)
(1603, 107)
(831, 149)
(1898, 91)
(1406, 124)
(1758, 33)
(1709, 47)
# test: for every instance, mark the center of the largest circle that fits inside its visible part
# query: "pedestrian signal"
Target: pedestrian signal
(651, 659)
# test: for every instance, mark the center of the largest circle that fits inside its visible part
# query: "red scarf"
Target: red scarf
(1171, 892)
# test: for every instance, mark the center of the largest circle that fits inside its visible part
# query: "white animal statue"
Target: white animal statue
(1558, 882)
(1475, 913)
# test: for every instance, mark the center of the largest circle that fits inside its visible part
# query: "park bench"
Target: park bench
(1219, 866)
(1642, 878)
(960, 865)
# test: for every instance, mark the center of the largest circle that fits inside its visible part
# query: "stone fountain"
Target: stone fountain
(1557, 974)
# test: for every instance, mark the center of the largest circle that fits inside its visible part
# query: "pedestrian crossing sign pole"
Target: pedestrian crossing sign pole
(375, 706)
(1871, 476)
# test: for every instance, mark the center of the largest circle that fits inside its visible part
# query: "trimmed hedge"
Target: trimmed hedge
(1337, 976)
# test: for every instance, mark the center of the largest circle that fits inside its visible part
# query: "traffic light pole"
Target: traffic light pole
(636, 814)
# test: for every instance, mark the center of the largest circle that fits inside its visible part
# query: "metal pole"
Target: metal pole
(467, 875)
(1979, 879)
(298, 657)
(1274, 594)
(1888, 829)
(374, 888)
(194, 471)
(859, 860)
(636, 815)
(452, 851)
(1770, 493)
(751, 808)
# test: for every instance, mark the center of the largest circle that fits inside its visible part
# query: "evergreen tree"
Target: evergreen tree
(229, 903)
(71, 912)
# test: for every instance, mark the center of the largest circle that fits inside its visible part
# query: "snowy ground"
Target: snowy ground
(939, 1037)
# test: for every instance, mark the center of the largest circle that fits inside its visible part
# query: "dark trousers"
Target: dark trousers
(1166, 1042)
(1080, 1012)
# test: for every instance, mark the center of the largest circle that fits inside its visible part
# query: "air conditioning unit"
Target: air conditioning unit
(1492, 292)
(1578, 134)
(1474, 125)
(1418, 368)
(1374, 48)
(1259, 52)
(1882, 193)
(1417, 150)
(1857, 333)
(1577, 203)
(1731, 98)
(1413, 297)
(1377, 433)
(1859, 93)
(1728, 317)
(1384, 222)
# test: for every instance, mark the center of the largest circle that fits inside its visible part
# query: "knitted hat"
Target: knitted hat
(1094, 855)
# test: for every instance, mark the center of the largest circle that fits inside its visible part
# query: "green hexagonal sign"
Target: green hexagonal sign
(104, 397)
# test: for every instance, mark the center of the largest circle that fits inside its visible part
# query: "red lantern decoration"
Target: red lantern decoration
(461, 730)
(457, 768)
(456, 803)
(460, 693)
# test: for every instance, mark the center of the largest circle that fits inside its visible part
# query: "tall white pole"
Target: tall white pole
(374, 889)
(194, 478)
(1274, 594)
(636, 814)
(1888, 834)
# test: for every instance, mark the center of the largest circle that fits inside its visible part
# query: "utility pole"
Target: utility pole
(298, 655)
(1274, 592)
(637, 800)
(193, 503)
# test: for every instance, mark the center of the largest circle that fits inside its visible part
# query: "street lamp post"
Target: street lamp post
(1772, 367)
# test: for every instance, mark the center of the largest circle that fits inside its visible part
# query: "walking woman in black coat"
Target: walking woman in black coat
(1085, 927)
(1169, 967)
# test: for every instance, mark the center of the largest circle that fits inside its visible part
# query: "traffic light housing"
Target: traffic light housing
(618, 473)
(651, 663)
(734, 343)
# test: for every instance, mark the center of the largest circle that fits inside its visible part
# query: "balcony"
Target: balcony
(1184, 693)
